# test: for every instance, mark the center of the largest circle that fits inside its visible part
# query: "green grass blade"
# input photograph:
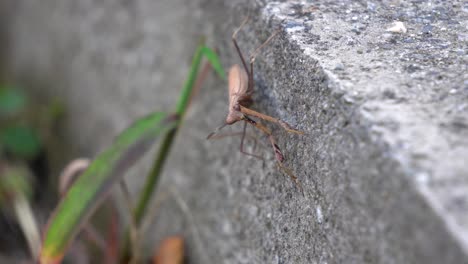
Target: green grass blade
(94, 184)
(182, 106)
(164, 149)
(213, 58)
(184, 97)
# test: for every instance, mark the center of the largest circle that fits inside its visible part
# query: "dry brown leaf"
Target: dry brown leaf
(170, 251)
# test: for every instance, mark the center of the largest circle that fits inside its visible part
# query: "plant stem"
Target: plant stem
(163, 152)
(153, 177)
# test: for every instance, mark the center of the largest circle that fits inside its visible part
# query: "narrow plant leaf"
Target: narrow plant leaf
(21, 141)
(213, 58)
(15, 192)
(182, 105)
(94, 184)
(163, 152)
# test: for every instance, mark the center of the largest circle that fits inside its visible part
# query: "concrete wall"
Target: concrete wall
(383, 161)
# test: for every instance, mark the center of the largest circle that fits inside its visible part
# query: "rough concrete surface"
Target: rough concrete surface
(382, 163)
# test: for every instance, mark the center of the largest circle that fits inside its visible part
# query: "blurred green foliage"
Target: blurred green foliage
(21, 141)
(12, 101)
(16, 138)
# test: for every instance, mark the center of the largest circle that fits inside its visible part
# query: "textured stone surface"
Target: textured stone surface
(383, 161)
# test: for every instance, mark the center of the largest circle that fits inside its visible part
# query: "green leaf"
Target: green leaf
(21, 141)
(11, 101)
(213, 58)
(163, 152)
(181, 108)
(94, 184)
(184, 97)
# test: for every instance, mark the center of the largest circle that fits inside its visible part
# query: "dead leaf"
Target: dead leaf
(170, 251)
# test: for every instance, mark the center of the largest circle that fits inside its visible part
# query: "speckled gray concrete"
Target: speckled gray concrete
(383, 163)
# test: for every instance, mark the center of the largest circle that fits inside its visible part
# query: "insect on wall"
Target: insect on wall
(241, 88)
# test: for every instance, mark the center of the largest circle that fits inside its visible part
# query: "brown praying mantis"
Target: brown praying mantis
(241, 85)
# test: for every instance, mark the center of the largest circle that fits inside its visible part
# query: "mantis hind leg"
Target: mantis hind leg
(278, 154)
(241, 147)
